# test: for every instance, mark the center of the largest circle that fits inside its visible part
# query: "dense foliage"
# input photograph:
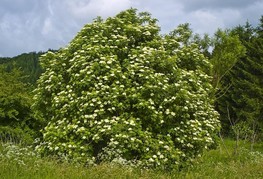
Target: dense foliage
(228, 49)
(241, 106)
(16, 118)
(121, 92)
(18, 77)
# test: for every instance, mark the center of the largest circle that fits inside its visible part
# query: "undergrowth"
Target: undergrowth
(22, 162)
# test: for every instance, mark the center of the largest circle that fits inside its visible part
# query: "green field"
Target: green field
(18, 162)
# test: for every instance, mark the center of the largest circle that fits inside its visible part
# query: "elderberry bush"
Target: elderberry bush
(121, 92)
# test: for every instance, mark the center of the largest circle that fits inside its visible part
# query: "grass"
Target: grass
(222, 163)
(17, 162)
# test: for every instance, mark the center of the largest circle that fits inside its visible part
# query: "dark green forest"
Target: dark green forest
(237, 77)
(27, 63)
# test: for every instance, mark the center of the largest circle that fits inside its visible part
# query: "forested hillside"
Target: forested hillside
(28, 63)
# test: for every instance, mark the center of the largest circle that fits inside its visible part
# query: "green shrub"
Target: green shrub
(123, 93)
(16, 117)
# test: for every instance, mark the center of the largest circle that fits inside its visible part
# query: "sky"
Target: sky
(39, 25)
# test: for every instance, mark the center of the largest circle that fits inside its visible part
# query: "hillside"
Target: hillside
(28, 63)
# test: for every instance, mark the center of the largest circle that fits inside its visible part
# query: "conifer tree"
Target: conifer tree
(242, 103)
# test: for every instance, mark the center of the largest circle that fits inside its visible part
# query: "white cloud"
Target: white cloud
(170, 13)
(253, 12)
(229, 16)
(50, 8)
(47, 28)
(83, 8)
(112, 7)
(4, 25)
(203, 21)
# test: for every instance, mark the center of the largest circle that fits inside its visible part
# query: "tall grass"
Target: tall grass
(225, 163)
(21, 162)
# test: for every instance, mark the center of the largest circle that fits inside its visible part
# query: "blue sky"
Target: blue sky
(37, 25)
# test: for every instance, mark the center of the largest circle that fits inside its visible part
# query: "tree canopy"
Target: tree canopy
(242, 102)
(16, 118)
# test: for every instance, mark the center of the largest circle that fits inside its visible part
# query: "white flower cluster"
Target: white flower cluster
(121, 92)
(16, 154)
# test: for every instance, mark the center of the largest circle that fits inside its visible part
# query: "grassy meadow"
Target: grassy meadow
(21, 162)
